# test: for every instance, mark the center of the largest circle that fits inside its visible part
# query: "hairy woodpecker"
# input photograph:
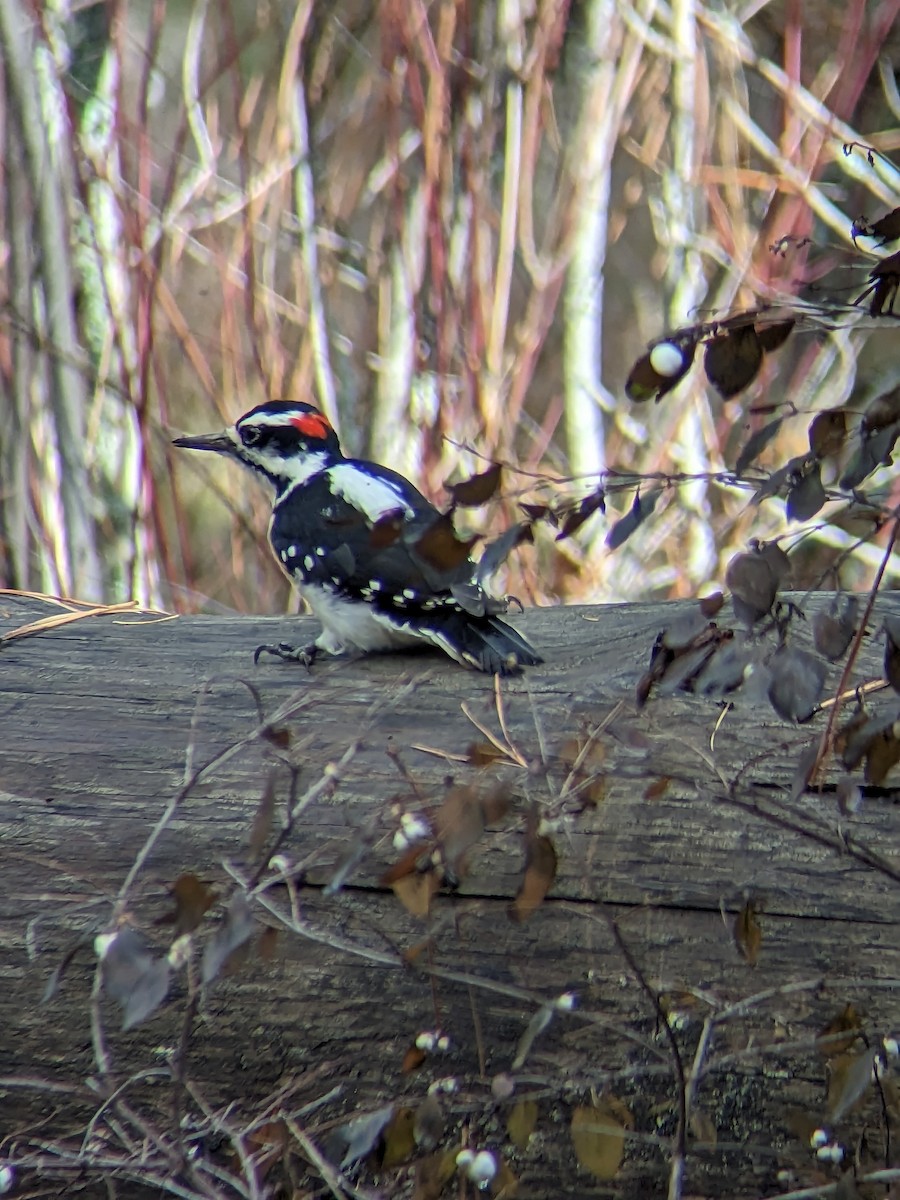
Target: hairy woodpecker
(352, 536)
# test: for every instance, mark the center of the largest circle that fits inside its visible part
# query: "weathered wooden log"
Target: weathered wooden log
(672, 820)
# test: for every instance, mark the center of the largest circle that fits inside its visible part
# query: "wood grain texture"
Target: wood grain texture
(102, 718)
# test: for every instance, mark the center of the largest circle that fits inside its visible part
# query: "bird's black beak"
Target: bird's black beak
(222, 443)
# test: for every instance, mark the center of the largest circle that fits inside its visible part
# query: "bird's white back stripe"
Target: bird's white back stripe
(370, 495)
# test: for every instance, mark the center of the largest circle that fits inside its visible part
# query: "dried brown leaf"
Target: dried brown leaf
(752, 584)
(262, 818)
(806, 496)
(828, 432)
(833, 628)
(756, 443)
(429, 1123)
(521, 1122)
(538, 878)
(892, 651)
(772, 336)
(641, 508)
(462, 817)
(477, 489)
(748, 933)
(484, 754)
(882, 755)
(134, 977)
(413, 1059)
(361, 1135)
(399, 1138)
(235, 929)
(732, 360)
(657, 789)
(193, 899)
(710, 605)
(838, 1035)
(598, 1136)
(576, 517)
(441, 547)
(267, 943)
(796, 684)
(433, 1174)
(415, 892)
(849, 1080)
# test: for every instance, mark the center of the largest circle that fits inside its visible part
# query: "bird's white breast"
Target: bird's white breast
(353, 624)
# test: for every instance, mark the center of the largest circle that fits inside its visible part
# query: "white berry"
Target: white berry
(666, 359)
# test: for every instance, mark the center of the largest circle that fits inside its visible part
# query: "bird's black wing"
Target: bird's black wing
(400, 550)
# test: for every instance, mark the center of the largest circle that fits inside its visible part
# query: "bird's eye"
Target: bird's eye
(250, 435)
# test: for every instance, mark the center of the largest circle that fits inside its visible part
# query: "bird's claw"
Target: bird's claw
(301, 654)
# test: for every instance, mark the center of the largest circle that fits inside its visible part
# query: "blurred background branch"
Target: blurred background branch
(453, 226)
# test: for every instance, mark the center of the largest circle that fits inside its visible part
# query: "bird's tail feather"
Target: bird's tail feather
(487, 643)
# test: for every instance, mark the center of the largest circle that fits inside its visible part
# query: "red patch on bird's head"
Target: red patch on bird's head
(312, 425)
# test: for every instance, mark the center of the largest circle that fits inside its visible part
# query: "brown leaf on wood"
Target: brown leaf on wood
(412, 1059)
(477, 489)
(406, 864)
(539, 875)
(796, 684)
(484, 754)
(462, 817)
(833, 628)
(193, 899)
(433, 1174)
(262, 818)
(838, 1035)
(882, 754)
(748, 933)
(521, 1122)
(849, 1080)
(590, 754)
(134, 977)
(233, 931)
(598, 1136)
(415, 892)
(505, 1185)
(657, 789)
(710, 605)
(361, 1135)
(892, 651)
(399, 1138)
(430, 1123)
(267, 943)
(278, 736)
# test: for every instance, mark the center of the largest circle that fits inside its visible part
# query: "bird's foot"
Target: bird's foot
(301, 654)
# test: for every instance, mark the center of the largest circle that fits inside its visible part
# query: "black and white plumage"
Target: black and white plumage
(353, 535)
